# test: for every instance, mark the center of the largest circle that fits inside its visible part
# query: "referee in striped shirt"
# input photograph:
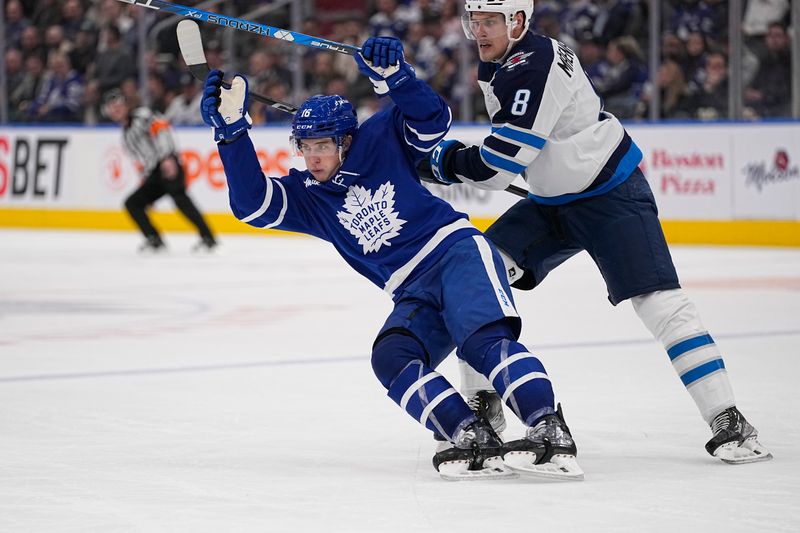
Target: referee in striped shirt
(147, 137)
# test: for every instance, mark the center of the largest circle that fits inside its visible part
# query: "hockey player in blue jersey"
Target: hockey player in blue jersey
(360, 192)
(586, 193)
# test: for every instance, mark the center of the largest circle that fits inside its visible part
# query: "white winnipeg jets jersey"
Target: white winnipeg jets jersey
(548, 124)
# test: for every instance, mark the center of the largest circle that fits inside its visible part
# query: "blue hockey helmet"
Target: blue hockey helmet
(324, 116)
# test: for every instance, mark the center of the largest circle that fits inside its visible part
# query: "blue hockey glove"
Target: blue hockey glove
(441, 162)
(225, 109)
(382, 59)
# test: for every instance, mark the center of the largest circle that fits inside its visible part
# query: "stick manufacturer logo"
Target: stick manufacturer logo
(285, 35)
(371, 218)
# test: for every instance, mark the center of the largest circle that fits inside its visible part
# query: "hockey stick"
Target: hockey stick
(245, 25)
(191, 45)
(519, 191)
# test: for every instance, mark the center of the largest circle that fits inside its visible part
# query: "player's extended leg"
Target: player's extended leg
(673, 319)
(399, 361)
(136, 204)
(548, 449)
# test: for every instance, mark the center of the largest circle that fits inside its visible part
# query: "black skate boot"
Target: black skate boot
(547, 450)
(735, 439)
(488, 405)
(206, 245)
(476, 454)
(152, 244)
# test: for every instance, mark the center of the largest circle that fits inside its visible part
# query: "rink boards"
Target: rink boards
(714, 183)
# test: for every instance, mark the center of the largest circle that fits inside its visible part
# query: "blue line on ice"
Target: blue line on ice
(346, 359)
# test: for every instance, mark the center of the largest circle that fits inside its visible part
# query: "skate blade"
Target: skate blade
(750, 451)
(562, 467)
(494, 468)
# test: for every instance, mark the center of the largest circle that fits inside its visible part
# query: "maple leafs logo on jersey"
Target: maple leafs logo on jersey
(371, 218)
(520, 58)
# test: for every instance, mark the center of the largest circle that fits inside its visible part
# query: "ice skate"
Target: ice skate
(487, 405)
(735, 439)
(206, 245)
(475, 456)
(152, 245)
(547, 451)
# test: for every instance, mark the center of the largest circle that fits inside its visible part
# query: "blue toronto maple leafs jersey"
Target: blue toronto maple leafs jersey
(374, 211)
(548, 125)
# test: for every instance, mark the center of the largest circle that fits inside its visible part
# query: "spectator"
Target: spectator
(579, 17)
(92, 114)
(61, 96)
(54, 40)
(130, 90)
(279, 92)
(591, 54)
(711, 100)
(214, 55)
(770, 94)
(695, 61)
(114, 64)
(158, 93)
(422, 48)
(22, 96)
(673, 49)
(182, 110)
(15, 71)
(625, 78)
(758, 15)
(84, 49)
(391, 19)
(675, 96)
(264, 66)
(73, 17)
(695, 16)
(450, 21)
(549, 25)
(619, 18)
(31, 43)
(321, 72)
(47, 13)
(15, 23)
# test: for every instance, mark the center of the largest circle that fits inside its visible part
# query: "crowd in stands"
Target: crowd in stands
(62, 56)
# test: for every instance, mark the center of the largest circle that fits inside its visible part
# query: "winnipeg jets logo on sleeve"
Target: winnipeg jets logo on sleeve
(371, 218)
(520, 58)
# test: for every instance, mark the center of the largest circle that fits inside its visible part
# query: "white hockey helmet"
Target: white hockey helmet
(509, 8)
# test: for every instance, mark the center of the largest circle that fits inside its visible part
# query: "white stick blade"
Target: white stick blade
(190, 42)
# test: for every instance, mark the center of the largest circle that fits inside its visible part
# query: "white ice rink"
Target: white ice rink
(233, 393)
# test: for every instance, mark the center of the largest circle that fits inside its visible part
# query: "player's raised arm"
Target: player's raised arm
(426, 116)
(254, 198)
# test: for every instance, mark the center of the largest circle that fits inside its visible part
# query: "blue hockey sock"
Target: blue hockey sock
(515, 373)
(429, 398)
(399, 362)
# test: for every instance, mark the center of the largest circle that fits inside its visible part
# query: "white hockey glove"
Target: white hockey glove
(382, 59)
(225, 109)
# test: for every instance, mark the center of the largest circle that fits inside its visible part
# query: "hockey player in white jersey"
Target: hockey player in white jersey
(586, 193)
(360, 192)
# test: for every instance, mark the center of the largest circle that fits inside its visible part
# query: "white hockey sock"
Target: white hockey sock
(673, 319)
(472, 381)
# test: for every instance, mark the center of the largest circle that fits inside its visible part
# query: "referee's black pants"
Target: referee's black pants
(154, 187)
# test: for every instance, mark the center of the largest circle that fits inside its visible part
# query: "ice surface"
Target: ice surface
(234, 393)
